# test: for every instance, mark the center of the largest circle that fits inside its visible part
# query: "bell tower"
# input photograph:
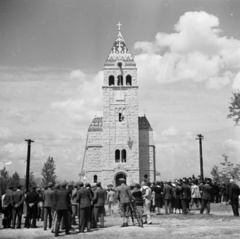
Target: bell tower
(120, 143)
(120, 113)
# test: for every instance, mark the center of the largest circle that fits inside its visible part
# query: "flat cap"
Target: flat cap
(64, 184)
(50, 184)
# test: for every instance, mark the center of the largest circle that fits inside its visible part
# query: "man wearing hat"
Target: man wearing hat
(84, 199)
(167, 196)
(47, 205)
(206, 197)
(17, 202)
(32, 199)
(234, 192)
(185, 195)
(98, 203)
(124, 196)
(7, 207)
(62, 201)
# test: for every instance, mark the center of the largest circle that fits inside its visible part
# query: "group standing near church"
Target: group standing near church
(65, 205)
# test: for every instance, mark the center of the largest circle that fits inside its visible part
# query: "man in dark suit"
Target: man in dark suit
(7, 207)
(185, 195)
(98, 202)
(32, 199)
(84, 199)
(167, 196)
(47, 205)
(206, 197)
(62, 201)
(234, 192)
(124, 196)
(17, 202)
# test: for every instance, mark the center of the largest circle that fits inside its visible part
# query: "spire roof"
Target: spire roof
(119, 49)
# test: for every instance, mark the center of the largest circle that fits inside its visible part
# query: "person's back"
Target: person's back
(62, 198)
(234, 191)
(207, 192)
(167, 191)
(48, 197)
(111, 196)
(84, 197)
(124, 196)
(18, 198)
(99, 197)
(124, 193)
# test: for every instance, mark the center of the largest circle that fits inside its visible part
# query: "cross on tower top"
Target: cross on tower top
(119, 26)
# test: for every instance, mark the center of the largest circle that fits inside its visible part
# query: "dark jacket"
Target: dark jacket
(48, 196)
(32, 198)
(84, 197)
(185, 191)
(207, 192)
(7, 201)
(167, 192)
(137, 197)
(99, 197)
(18, 198)
(62, 199)
(234, 191)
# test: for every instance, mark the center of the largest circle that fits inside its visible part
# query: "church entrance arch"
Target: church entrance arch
(118, 176)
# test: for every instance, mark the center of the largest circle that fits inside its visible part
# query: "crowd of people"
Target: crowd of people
(63, 205)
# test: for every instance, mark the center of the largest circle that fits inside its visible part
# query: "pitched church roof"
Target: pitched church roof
(97, 124)
(119, 50)
(144, 123)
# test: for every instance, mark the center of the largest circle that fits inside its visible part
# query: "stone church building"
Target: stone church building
(119, 144)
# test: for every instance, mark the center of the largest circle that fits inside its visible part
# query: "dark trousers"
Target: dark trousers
(98, 212)
(31, 216)
(47, 212)
(168, 205)
(17, 214)
(84, 218)
(62, 214)
(205, 204)
(235, 205)
(215, 197)
(7, 216)
(185, 205)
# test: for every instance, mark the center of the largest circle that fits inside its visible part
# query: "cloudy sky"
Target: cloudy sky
(51, 56)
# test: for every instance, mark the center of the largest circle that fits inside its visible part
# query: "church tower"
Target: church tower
(119, 144)
(120, 113)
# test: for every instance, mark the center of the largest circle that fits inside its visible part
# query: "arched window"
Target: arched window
(120, 80)
(111, 80)
(95, 178)
(128, 80)
(117, 156)
(124, 155)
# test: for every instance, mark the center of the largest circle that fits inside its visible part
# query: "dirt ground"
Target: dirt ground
(220, 224)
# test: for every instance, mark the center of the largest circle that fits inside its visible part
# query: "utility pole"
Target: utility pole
(200, 137)
(28, 163)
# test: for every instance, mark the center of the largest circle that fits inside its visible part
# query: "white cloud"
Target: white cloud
(171, 131)
(68, 105)
(219, 82)
(232, 144)
(5, 132)
(236, 82)
(196, 52)
(77, 74)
